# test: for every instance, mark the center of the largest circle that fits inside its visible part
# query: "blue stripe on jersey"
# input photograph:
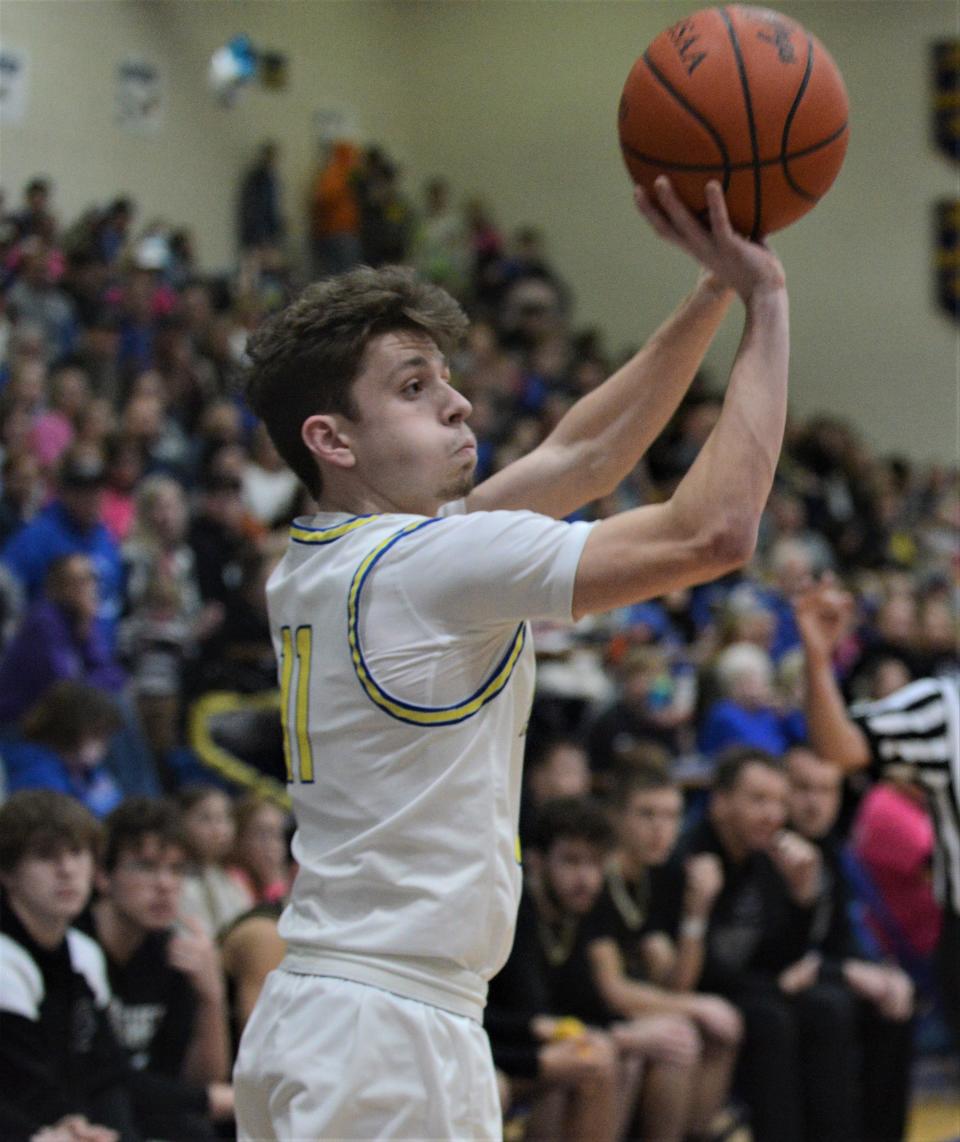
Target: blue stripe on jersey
(407, 711)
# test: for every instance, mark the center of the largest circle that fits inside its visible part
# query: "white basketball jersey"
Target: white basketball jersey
(407, 678)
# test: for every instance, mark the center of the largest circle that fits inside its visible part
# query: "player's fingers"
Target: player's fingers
(720, 225)
(654, 215)
(683, 221)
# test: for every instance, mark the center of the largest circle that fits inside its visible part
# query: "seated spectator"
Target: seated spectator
(261, 855)
(748, 712)
(62, 743)
(21, 492)
(636, 968)
(167, 620)
(884, 992)
(210, 894)
(559, 767)
(557, 916)
(58, 639)
(54, 429)
(218, 537)
(269, 487)
(651, 707)
(893, 839)
(799, 1059)
(61, 1064)
(71, 525)
(124, 464)
(168, 1005)
(251, 947)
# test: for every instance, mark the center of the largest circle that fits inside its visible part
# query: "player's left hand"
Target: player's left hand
(733, 260)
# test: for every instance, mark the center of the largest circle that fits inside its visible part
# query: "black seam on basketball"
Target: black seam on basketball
(791, 115)
(701, 168)
(688, 107)
(751, 123)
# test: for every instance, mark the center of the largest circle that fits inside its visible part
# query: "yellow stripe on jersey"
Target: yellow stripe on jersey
(407, 711)
(314, 535)
(286, 677)
(304, 647)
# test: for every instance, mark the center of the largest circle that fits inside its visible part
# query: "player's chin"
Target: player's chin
(459, 486)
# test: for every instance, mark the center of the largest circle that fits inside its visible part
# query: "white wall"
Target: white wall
(516, 100)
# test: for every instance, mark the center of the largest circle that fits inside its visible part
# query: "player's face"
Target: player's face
(650, 823)
(413, 450)
(756, 808)
(574, 873)
(146, 883)
(51, 889)
(815, 787)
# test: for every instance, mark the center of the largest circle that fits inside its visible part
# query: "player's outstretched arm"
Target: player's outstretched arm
(709, 526)
(601, 438)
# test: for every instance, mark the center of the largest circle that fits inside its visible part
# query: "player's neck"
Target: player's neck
(365, 501)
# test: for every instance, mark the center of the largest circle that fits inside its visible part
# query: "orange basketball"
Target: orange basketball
(745, 96)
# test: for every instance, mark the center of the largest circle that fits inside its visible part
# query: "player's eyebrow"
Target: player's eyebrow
(416, 362)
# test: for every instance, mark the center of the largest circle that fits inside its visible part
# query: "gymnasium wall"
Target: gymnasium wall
(515, 100)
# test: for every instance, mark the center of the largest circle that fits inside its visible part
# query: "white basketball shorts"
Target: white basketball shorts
(325, 1058)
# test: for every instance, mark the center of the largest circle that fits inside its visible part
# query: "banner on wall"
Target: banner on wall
(140, 96)
(14, 84)
(945, 68)
(947, 255)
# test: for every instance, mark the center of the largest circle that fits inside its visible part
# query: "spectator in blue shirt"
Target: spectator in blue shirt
(70, 525)
(61, 746)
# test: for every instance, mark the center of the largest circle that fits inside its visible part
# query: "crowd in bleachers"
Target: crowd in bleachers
(142, 508)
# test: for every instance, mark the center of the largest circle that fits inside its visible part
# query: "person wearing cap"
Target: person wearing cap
(70, 524)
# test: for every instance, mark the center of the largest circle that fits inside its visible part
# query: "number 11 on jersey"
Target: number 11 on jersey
(295, 651)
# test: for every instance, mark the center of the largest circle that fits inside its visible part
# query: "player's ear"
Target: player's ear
(326, 438)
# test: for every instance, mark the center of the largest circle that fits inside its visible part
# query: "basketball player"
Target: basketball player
(399, 615)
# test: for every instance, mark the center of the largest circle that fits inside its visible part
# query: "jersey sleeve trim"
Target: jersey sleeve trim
(408, 711)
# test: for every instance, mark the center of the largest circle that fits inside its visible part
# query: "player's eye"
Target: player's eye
(413, 388)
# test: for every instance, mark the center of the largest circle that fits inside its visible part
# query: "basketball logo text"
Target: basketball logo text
(684, 39)
(778, 34)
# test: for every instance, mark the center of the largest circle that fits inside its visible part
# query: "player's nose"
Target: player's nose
(457, 406)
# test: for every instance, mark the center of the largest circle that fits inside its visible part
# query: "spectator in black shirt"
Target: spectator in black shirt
(62, 1066)
(635, 966)
(798, 1064)
(884, 991)
(168, 1006)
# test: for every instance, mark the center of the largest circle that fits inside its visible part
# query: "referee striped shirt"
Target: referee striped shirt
(918, 727)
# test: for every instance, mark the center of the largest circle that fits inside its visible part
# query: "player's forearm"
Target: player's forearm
(620, 420)
(832, 734)
(730, 480)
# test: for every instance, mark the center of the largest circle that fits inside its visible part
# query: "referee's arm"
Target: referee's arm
(822, 615)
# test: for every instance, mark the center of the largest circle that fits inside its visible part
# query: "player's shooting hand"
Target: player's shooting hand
(195, 954)
(824, 613)
(733, 260)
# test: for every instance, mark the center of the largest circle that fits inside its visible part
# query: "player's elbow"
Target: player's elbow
(728, 541)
